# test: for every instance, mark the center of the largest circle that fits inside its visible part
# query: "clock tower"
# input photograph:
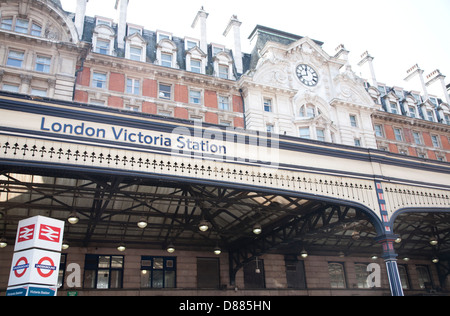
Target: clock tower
(295, 88)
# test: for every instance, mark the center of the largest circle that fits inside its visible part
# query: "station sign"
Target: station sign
(31, 290)
(39, 232)
(34, 266)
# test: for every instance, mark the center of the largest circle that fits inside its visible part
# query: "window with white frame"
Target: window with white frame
(133, 86)
(417, 138)
(398, 134)
(38, 92)
(430, 115)
(268, 105)
(224, 103)
(320, 133)
(103, 46)
(412, 111)
(99, 80)
(196, 66)
(165, 91)
(166, 60)
(163, 35)
(353, 121)
(43, 64)
(10, 87)
(305, 132)
(393, 107)
(23, 26)
(435, 141)
(136, 53)
(223, 71)
(195, 97)
(134, 30)
(379, 130)
(15, 58)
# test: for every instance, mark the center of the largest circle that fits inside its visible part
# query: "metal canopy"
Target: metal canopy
(110, 207)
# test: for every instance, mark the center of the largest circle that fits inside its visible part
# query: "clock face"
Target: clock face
(307, 75)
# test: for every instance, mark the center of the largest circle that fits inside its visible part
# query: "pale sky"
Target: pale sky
(397, 33)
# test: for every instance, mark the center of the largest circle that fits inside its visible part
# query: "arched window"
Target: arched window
(337, 275)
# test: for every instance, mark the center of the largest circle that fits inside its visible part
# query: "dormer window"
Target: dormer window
(166, 53)
(103, 21)
(166, 60)
(102, 47)
(223, 65)
(163, 36)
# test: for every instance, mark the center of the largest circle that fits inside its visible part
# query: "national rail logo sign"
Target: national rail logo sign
(39, 232)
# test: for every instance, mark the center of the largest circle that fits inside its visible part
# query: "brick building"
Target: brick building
(359, 174)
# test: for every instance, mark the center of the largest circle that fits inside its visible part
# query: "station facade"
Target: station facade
(184, 167)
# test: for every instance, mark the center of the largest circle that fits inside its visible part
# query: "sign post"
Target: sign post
(35, 264)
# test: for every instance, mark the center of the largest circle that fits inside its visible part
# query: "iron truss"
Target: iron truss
(109, 208)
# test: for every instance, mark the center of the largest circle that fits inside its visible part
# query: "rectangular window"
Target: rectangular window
(195, 97)
(166, 60)
(224, 103)
(320, 134)
(135, 53)
(15, 58)
(196, 66)
(269, 128)
(158, 272)
(295, 273)
(353, 121)
(10, 87)
(7, 24)
(393, 108)
(165, 91)
(430, 116)
(361, 276)
(268, 105)
(435, 141)
(102, 47)
(304, 132)
(423, 276)
(133, 86)
(21, 26)
(208, 273)
(103, 272)
(38, 92)
(398, 134)
(379, 130)
(403, 271)
(99, 80)
(43, 64)
(223, 72)
(357, 142)
(412, 112)
(417, 138)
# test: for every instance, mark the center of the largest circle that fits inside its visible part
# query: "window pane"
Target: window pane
(165, 91)
(36, 30)
(89, 279)
(170, 279)
(7, 24)
(43, 64)
(166, 60)
(337, 277)
(158, 277)
(103, 279)
(117, 262)
(104, 262)
(21, 26)
(116, 279)
(15, 58)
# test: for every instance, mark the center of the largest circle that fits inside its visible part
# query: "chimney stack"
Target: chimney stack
(201, 17)
(122, 6)
(366, 58)
(235, 24)
(412, 72)
(79, 17)
(434, 76)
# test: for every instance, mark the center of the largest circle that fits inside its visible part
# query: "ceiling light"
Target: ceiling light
(435, 260)
(433, 241)
(374, 257)
(217, 250)
(257, 230)
(73, 218)
(171, 248)
(203, 226)
(3, 243)
(142, 223)
(398, 240)
(304, 254)
(65, 245)
(121, 247)
(406, 259)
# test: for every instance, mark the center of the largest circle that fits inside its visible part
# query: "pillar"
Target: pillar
(122, 6)
(390, 258)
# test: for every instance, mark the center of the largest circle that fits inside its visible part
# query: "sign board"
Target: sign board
(39, 232)
(32, 290)
(35, 267)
